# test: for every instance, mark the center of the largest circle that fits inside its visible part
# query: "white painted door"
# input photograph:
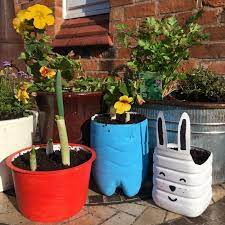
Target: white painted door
(82, 8)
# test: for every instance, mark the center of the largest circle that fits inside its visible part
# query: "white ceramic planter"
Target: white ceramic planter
(179, 184)
(14, 134)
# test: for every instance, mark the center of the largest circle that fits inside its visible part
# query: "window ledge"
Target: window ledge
(84, 32)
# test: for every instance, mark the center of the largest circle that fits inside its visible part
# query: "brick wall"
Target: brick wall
(101, 61)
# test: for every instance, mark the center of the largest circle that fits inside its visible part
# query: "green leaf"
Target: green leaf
(123, 89)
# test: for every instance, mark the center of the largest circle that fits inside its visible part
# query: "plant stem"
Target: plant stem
(59, 94)
(33, 160)
(65, 152)
(127, 119)
(112, 113)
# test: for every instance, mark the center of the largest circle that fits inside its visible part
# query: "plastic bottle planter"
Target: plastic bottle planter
(14, 134)
(180, 183)
(122, 156)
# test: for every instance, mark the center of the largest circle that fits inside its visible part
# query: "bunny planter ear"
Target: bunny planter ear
(184, 134)
(161, 131)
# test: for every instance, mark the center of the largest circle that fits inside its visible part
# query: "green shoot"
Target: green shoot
(65, 152)
(33, 160)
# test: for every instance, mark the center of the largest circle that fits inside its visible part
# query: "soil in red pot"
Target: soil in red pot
(120, 119)
(53, 161)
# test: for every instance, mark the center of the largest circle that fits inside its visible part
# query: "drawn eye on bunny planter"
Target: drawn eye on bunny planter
(182, 175)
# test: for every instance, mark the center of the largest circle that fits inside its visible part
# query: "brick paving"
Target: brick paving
(140, 212)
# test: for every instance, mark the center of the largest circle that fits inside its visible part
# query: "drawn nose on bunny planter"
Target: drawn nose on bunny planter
(182, 180)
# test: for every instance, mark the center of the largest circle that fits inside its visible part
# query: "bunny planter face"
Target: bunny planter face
(182, 180)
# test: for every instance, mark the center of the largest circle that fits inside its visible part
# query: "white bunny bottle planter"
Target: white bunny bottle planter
(182, 180)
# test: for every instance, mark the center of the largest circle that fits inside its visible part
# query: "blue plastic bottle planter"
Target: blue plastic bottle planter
(122, 156)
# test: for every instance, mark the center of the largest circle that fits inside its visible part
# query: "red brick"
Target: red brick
(215, 33)
(49, 3)
(82, 31)
(58, 3)
(100, 74)
(112, 27)
(188, 65)
(84, 21)
(22, 1)
(169, 6)
(214, 3)
(17, 8)
(140, 10)
(139, 0)
(89, 64)
(182, 17)
(209, 51)
(123, 53)
(119, 2)
(132, 23)
(110, 65)
(81, 41)
(208, 17)
(216, 66)
(117, 13)
(58, 12)
(58, 22)
(222, 18)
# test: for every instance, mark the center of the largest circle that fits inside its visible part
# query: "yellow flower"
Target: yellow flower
(16, 24)
(46, 72)
(123, 105)
(22, 94)
(21, 16)
(41, 15)
(24, 15)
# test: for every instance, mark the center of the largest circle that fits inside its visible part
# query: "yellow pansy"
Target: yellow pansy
(22, 94)
(24, 15)
(46, 72)
(21, 16)
(123, 105)
(16, 24)
(41, 15)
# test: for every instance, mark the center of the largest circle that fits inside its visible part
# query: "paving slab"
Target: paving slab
(147, 202)
(215, 212)
(130, 208)
(85, 220)
(198, 220)
(7, 204)
(172, 216)
(82, 213)
(218, 192)
(151, 216)
(223, 185)
(120, 218)
(13, 218)
(214, 215)
(103, 212)
(181, 221)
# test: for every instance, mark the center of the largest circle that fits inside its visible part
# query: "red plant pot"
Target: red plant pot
(51, 196)
(79, 107)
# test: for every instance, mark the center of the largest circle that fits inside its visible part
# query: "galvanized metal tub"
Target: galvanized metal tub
(207, 127)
